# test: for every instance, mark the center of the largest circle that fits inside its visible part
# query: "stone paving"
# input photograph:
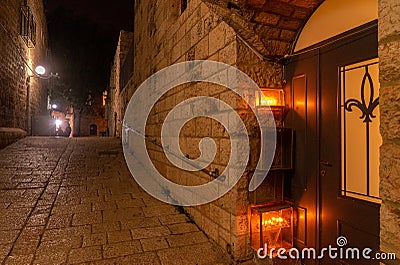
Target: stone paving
(73, 201)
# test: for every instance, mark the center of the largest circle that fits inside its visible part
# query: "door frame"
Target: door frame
(341, 207)
(315, 50)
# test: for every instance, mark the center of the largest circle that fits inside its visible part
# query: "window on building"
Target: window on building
(32, 30)
(27, 28)
(360, 130)
(184, 4)
(24, 22)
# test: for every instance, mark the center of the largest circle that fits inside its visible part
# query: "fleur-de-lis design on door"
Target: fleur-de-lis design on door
(367, 110)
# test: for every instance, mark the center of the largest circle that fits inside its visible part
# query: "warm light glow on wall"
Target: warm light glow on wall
(104, 97)
(272, 97)
(271, 225)
(30, 63)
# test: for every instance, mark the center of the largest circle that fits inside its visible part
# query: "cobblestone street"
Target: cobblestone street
(67, 201)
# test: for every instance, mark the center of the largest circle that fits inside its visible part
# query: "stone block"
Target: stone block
(105, 227)
(154, 243)
(240, 225)
(389, 63)
(60, 234)
(140, 233)
(210, 227)
(389, 17)
(196, 33)
(390, 112)
(122, 214)
(241, 249)
(220, 216)
(122, 249)
(217, 38)
(59, 221)
(186, 239)
(225, 151)
(10, 135)
(140, 223)
(228, 54)
(142, 258)
(390, 227)
(87, 218)
(203, 127)
(19, 259)
(159, 210)
(53, 257)
(232, 99)
(202, 253)
(94, 240)
(390, 171)
(81, 255)
(266, 18)
(182, 228)
(202, 49)
(218, 130)
(118, 236)
(225, 235)
(173, 219)
(22, 247)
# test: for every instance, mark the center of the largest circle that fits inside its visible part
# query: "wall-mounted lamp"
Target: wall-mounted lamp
(40, 72)
(273, 97)
(271, 227)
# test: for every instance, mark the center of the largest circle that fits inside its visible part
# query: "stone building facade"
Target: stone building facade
(115, 107)
(173, 37)
(23, 38)
(253, 36)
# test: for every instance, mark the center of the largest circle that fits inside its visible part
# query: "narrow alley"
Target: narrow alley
(71, 201)
(271, 126)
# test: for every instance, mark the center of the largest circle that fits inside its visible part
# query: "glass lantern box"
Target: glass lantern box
(272, 226)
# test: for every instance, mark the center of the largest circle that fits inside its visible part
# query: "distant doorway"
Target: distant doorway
(115, 124)
(93, 130)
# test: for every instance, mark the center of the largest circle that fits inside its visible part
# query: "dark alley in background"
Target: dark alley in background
(82, 40)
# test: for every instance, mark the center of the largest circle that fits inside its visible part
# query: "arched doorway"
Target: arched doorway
(332, 82)
(93, 130)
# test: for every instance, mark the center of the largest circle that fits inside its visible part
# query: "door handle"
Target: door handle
(325, 163)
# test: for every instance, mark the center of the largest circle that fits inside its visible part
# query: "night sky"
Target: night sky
(118, 13)
(83, 36)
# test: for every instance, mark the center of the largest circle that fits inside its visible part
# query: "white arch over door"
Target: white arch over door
(334, 17)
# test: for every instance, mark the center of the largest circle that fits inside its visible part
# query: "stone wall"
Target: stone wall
(115, 112)
(389, 55)
(163, 37)
(87, 120)
(20, 99)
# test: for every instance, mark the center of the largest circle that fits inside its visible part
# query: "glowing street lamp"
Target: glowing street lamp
(40, 70)
(58, 123)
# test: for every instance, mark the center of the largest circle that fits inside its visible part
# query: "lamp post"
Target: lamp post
(40, 73)
(28, 107)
